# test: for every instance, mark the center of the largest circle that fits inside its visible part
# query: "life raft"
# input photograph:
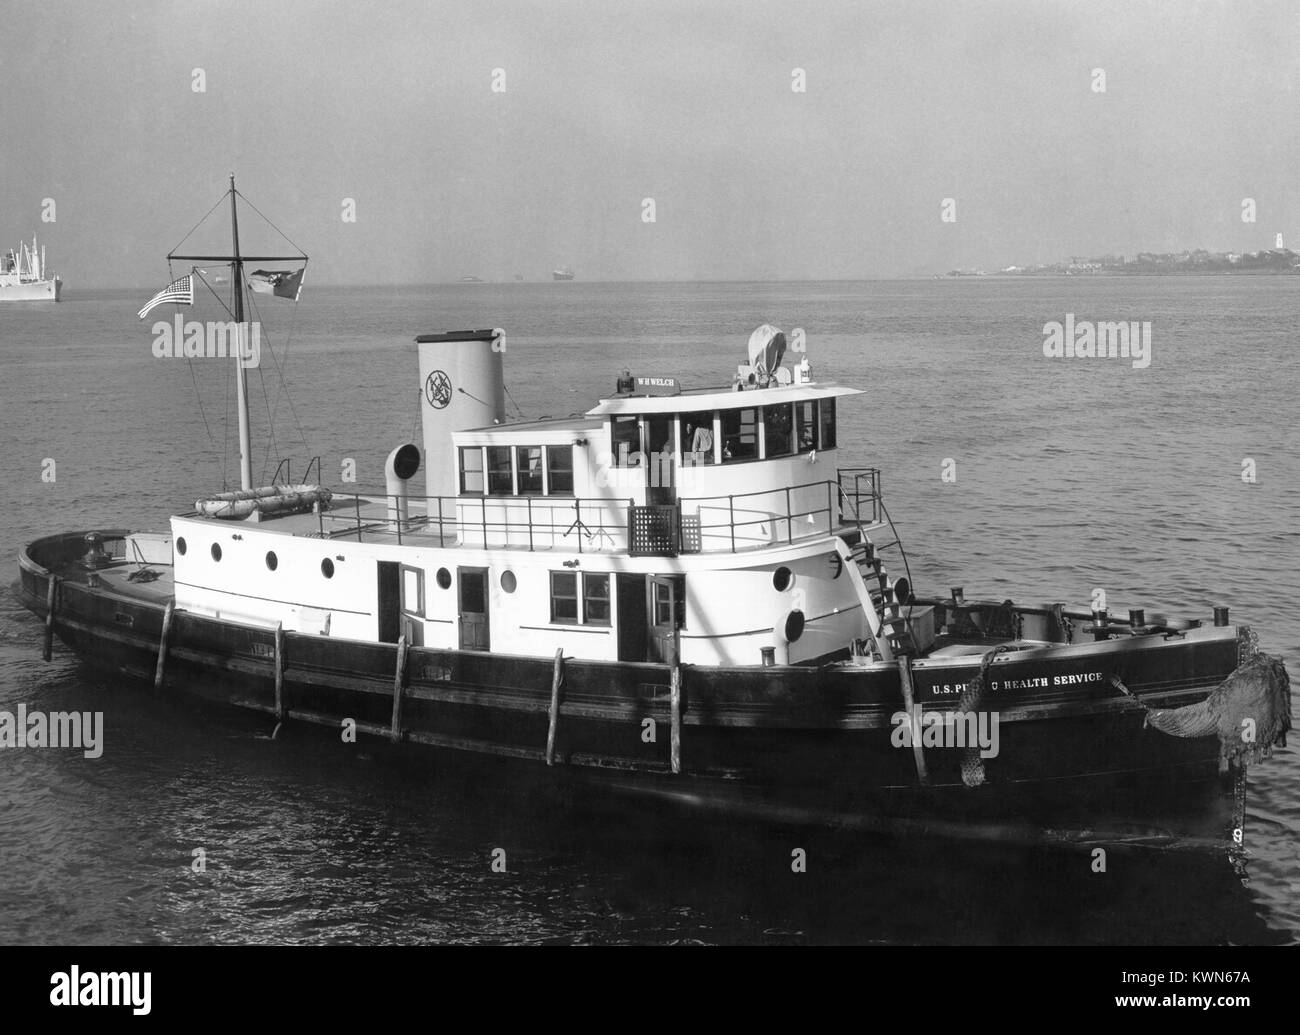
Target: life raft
(270, 500)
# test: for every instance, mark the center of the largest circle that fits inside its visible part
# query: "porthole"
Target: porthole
(444, 578)
(216, 551)
(782, 579)
(327, 568)
(272, 562)
(180, 546)
(836, 563)
(508, 581)
(793, 626)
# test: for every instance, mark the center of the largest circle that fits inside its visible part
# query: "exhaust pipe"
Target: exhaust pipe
(399, 469)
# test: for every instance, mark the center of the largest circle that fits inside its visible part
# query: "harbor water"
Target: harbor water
(1172, 486)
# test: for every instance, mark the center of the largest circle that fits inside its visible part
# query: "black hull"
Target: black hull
(787, 743)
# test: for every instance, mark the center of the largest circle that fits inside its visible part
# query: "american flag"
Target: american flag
(180, 291)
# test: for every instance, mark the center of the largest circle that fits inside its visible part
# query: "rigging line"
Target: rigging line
(259, 212)
(512, 401)
(282, 370)
(199, 396)
(221, 301)
(266, 401)
(284, 390)
(225, 437)
(200, 223)
(419, 392)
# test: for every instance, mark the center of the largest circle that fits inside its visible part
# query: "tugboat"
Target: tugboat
(679, 593)
(23, 276)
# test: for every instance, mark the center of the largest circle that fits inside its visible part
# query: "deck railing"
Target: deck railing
(704, 524)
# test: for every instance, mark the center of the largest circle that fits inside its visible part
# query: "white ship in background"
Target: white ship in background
(23, 276)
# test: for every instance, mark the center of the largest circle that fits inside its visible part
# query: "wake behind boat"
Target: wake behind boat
(678, 593)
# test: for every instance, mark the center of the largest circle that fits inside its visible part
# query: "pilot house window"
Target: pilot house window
(529, 461)
(778, 439)
(625, 437)
(500, 477)
(739, 435)
(805, 425)
(559, 470)
(471, 470)
(826, 411)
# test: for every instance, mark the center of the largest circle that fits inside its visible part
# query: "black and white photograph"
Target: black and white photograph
(653, 474)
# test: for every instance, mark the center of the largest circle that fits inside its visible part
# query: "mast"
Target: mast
(241, 376)
(237, 261)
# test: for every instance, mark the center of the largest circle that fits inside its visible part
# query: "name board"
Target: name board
(657, 386)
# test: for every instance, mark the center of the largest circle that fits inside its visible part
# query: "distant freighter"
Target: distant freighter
(564, 274)
(23, 278)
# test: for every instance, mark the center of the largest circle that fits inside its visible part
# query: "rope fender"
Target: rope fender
(1250, 712)
(972, 766)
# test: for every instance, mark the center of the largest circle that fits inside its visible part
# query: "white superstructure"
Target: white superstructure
(703, 524)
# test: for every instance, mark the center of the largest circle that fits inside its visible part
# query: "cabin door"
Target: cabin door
(390, 601)
(473, 608)
(632, 617)
(661, 465)
(413, 606)
(667, 605)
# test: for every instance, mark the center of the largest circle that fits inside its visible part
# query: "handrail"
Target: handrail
(456, 516)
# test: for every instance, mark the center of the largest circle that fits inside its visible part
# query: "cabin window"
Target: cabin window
(595, 598)
(564, 597)
(805, 425)
(697, 439)
(567, 605)
(826, 414)
(778, 428)
(739, 435)
(471, 470)
(625, 440)
(664, 597)
(327, 568)
(528, 459)
(559, 470)
(180, 546)
(216, 551)
(500, 474)
(272, 561)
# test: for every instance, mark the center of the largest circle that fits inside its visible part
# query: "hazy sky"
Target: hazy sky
(391, 104)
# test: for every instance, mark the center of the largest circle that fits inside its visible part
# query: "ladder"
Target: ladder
(891, 597)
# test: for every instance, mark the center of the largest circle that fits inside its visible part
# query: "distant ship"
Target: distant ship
(471, 280)
(564, 274)
(23, 277)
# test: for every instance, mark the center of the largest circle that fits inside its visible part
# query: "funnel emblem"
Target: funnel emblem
(437, 389)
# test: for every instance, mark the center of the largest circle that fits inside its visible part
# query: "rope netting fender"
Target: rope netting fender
(1250, 711)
